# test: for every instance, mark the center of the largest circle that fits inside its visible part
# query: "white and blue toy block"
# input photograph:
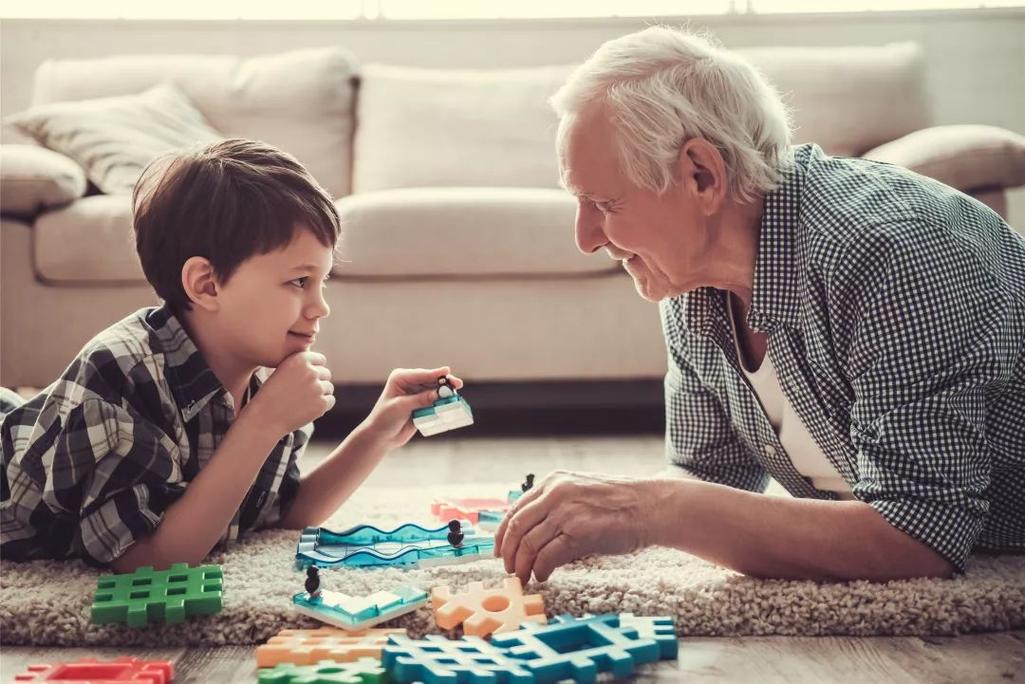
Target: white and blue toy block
(409, 545)
(447, 413)
(359, 612)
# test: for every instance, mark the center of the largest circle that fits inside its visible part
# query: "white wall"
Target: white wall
(976, 59)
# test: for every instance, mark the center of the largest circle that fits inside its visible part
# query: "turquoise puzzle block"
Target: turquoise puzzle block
(661, 629)
(438, 660)
(409, 545)
(149, 595)
(569, 648)
(362, 671)
(443, 415)
(360, 612)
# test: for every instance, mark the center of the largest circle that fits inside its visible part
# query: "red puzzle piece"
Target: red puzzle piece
(466, 509)
(91, 671)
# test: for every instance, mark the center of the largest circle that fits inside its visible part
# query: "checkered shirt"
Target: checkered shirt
(91, 463)
(895, 313)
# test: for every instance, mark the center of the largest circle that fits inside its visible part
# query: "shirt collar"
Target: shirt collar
(778, 268)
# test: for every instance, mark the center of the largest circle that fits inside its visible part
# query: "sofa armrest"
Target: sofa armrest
(34, 178)
(964, 157)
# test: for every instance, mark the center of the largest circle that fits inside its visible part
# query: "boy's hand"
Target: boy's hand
(406, 390)
(298, 391)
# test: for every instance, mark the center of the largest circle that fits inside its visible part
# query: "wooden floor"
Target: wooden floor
(975, 659)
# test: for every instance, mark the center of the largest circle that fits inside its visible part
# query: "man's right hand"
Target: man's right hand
(297, 392)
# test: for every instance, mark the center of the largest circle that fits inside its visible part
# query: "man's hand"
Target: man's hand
(406, 390)
(571, 515)
(299, 391)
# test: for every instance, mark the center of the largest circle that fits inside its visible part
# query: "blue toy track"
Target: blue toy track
(408, 545)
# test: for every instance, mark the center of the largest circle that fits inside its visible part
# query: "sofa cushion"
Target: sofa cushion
(437, 127)
(451, 127)
(115, 138)
(430, 232)
(34, 178)
(300, 101)
(89, 240)
(848, 99)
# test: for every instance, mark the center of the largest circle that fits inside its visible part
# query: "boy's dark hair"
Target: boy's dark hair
(226, 202)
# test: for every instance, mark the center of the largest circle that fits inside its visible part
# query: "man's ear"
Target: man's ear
(200, 283)
(702, 171)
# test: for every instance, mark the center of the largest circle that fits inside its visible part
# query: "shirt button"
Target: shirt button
(770, 450)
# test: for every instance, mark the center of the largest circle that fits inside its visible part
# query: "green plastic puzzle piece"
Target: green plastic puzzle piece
(362, 671)
(148, 595)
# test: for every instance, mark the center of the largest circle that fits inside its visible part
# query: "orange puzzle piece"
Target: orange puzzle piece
(487, 611)
(310, 646)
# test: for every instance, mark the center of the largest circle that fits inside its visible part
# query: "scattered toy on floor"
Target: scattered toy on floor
(168, 595)
(405, 546)
(124, 669)
(360, 612)
(310, 646)
(455, 533)
(483, 612)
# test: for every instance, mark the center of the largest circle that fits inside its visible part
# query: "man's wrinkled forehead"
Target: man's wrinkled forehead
(587, 159)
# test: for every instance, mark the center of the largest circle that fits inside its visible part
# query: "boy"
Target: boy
(159, 441)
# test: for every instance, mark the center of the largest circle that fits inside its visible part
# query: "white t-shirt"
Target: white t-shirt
(798, 443)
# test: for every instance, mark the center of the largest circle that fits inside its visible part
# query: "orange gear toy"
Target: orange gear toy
(487, 611)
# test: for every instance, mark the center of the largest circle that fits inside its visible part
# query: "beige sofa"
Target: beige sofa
(458, 242)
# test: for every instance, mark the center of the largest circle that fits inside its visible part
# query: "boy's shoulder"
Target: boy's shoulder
(119, 361)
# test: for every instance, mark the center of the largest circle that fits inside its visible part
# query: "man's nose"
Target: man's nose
(588, 230)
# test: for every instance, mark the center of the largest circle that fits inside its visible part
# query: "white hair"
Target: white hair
(662, 87)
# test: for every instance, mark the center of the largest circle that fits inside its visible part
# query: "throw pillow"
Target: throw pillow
(114, 138)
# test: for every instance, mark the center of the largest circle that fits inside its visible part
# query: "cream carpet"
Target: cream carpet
(47, 603)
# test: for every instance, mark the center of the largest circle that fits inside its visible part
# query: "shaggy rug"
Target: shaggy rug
(47, 603)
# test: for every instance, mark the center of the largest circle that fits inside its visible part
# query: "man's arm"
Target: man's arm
(783, 538)
(193, 524)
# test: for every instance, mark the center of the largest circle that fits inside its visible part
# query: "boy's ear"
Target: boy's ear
(200, 283)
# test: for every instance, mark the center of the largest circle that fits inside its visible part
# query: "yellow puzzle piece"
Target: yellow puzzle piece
(487, 611)
(310, 646)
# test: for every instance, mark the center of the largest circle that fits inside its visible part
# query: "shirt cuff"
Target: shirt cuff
(109, 529)
(947, 530)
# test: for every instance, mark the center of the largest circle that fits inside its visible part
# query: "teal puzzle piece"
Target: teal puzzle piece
(362, 671)
(443, 415)
(578, 649)
(406, 546)
(360, 612)
(438, 660)
(149, 595)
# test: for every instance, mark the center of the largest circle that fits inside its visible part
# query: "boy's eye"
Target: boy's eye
(299, 282)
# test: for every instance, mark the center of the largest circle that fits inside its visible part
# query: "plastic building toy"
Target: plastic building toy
(102, 671)
(661, 629)
(437, 660)
(448, 412)
(355, 612)
(467, 509)
(147, 595)
(578, 649)
(525, 486)
(443, 415)
(408, 545)
(487, 611)
(362, 671)
(310, 646)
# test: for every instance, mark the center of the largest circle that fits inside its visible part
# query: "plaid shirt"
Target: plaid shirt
(92, 462)
(895, 313)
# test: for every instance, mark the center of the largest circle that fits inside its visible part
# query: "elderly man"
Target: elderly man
(849, 328)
